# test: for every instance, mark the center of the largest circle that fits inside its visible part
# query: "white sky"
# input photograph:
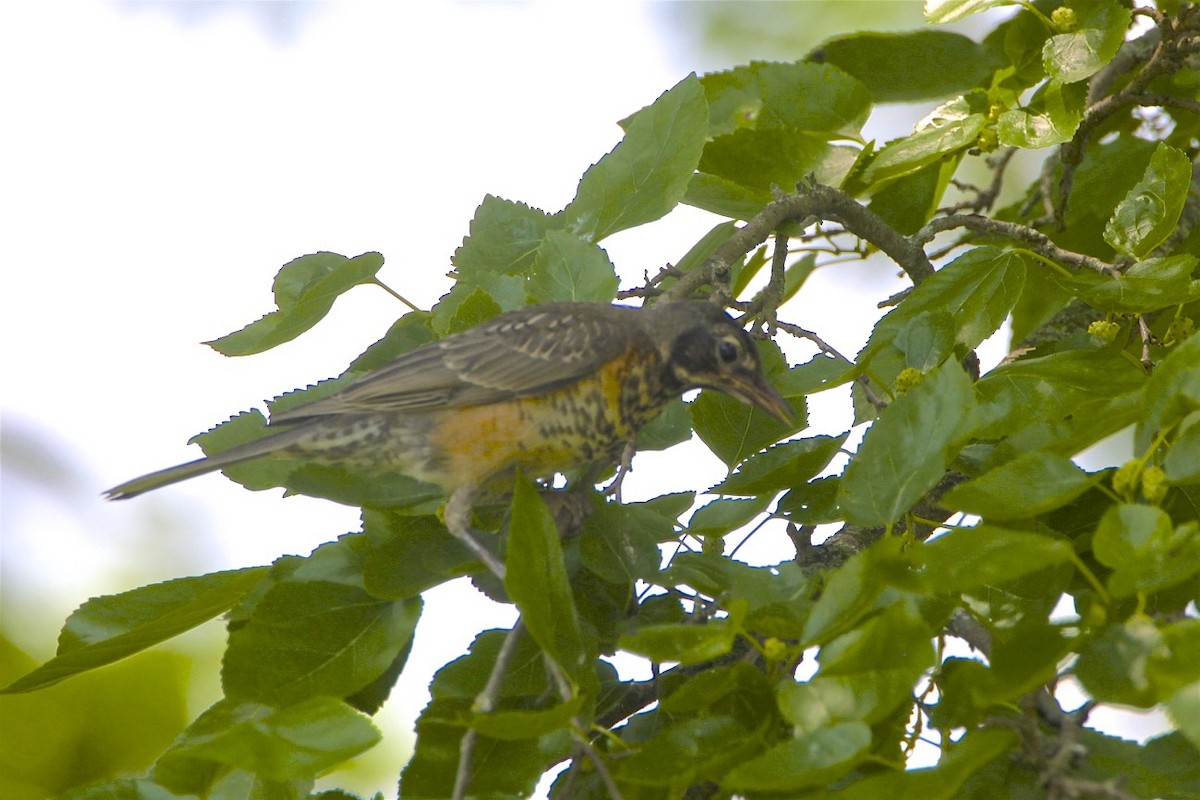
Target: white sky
(161, 161)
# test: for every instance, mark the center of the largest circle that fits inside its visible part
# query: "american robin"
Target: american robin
(544, 388)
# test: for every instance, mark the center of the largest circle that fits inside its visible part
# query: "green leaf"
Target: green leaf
(119, 789)
(681, 753)
(568, 268)
(407, 333)
(1070, 57)
(620, 542)
(734, 430)
(1112, 667)
(1030, 484)
(765, 157)
(1150, 211)
(722, 516)
(297, 741)
(692, 643)
(1184, 708)
(970, 559)
(504, 239)
(950, 128)
(1051, 118)
(852, 591)
(808, 760)
(1145, 551)
(981, 286)
(409, 554)
(1146, 286)
(466, 306)
(305, 289)
(907, 450)
(672, 426)
(537, 580)
(973, 751)
(1182, 463)
(107, 629)
(1051, 388)
(782, 466)
(777, 598)
(1172, 393)
(799, 95)
(646, 175)
(910, 201)
(317, 632)
(936, 63)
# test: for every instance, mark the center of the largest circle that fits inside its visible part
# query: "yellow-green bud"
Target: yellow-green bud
(907, 379)
(1125, 478)
(1154, 484)
(1105, 330)
(1065, 19)
(1180, 329)
(774, 650)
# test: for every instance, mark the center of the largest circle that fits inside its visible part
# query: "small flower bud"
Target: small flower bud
(908, 378)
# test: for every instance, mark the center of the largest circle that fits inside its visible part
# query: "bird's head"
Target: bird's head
(706, 349)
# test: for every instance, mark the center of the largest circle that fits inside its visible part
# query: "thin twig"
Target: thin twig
(485, 703)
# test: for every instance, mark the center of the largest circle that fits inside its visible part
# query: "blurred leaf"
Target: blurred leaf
(906, 451)
(537, 580)
(100, 724)
(567, 268)
(305, 289)
(1150, 211)
(936, 63)
(943, 11)
(1071, 57)
(1030, 484)
(908, 202)
(107, 629)
(646, 175)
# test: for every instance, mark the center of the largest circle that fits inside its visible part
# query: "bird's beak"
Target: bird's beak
(757, 391)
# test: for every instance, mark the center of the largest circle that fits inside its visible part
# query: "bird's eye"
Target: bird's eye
(727, 351)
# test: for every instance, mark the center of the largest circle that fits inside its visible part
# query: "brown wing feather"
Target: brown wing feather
(526, 352)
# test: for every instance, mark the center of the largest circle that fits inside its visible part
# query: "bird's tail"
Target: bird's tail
(234, 455)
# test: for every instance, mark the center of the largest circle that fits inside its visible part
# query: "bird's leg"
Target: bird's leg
(623, 468)
(457, 516)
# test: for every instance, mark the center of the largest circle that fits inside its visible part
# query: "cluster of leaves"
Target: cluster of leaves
(1094, 263)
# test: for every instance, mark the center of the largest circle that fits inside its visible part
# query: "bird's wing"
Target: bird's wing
(526, 352)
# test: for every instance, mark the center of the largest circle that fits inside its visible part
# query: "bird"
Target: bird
(543, 389)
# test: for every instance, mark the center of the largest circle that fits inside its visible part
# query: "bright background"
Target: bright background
(161, 161)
